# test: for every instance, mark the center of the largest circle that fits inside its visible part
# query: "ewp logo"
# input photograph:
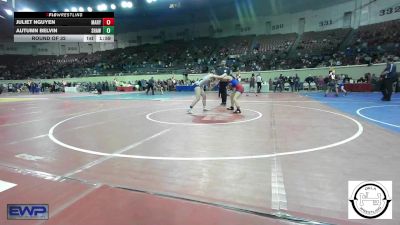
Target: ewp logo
(28, 211)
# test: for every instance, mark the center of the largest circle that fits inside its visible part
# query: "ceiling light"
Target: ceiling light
(9, 12)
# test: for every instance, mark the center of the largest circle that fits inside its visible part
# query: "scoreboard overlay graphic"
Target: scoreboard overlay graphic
(64, 27)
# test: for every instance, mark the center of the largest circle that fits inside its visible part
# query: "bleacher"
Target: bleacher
(379, 36)
(323, 41)
(275, 43)
(372, 43)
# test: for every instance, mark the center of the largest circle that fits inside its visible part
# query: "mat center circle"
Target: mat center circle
(219, 115)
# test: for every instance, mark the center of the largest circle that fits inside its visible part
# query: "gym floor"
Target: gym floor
(136, 159)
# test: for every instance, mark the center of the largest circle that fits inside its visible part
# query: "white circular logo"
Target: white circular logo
(370, 199)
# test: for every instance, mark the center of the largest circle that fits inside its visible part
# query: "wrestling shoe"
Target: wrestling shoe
(237, 111)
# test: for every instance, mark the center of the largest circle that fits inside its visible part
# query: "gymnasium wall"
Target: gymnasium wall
(353, 71)
(379, 11)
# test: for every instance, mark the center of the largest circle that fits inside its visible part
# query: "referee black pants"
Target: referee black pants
(223, 91)
(387, 88)
(148, 89)
(258, 87)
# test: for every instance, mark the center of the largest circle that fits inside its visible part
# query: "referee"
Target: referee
(150, 84)
(259, 81)
(223, 84)
(389, 77)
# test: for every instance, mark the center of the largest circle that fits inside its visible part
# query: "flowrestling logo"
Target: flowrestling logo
(370, 200)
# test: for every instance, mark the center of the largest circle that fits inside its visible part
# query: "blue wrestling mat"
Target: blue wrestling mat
(367, 106)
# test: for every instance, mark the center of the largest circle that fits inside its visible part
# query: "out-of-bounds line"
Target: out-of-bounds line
(374, 120)
(353, 137)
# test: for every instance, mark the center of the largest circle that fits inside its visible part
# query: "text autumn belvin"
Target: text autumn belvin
(36, 30)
